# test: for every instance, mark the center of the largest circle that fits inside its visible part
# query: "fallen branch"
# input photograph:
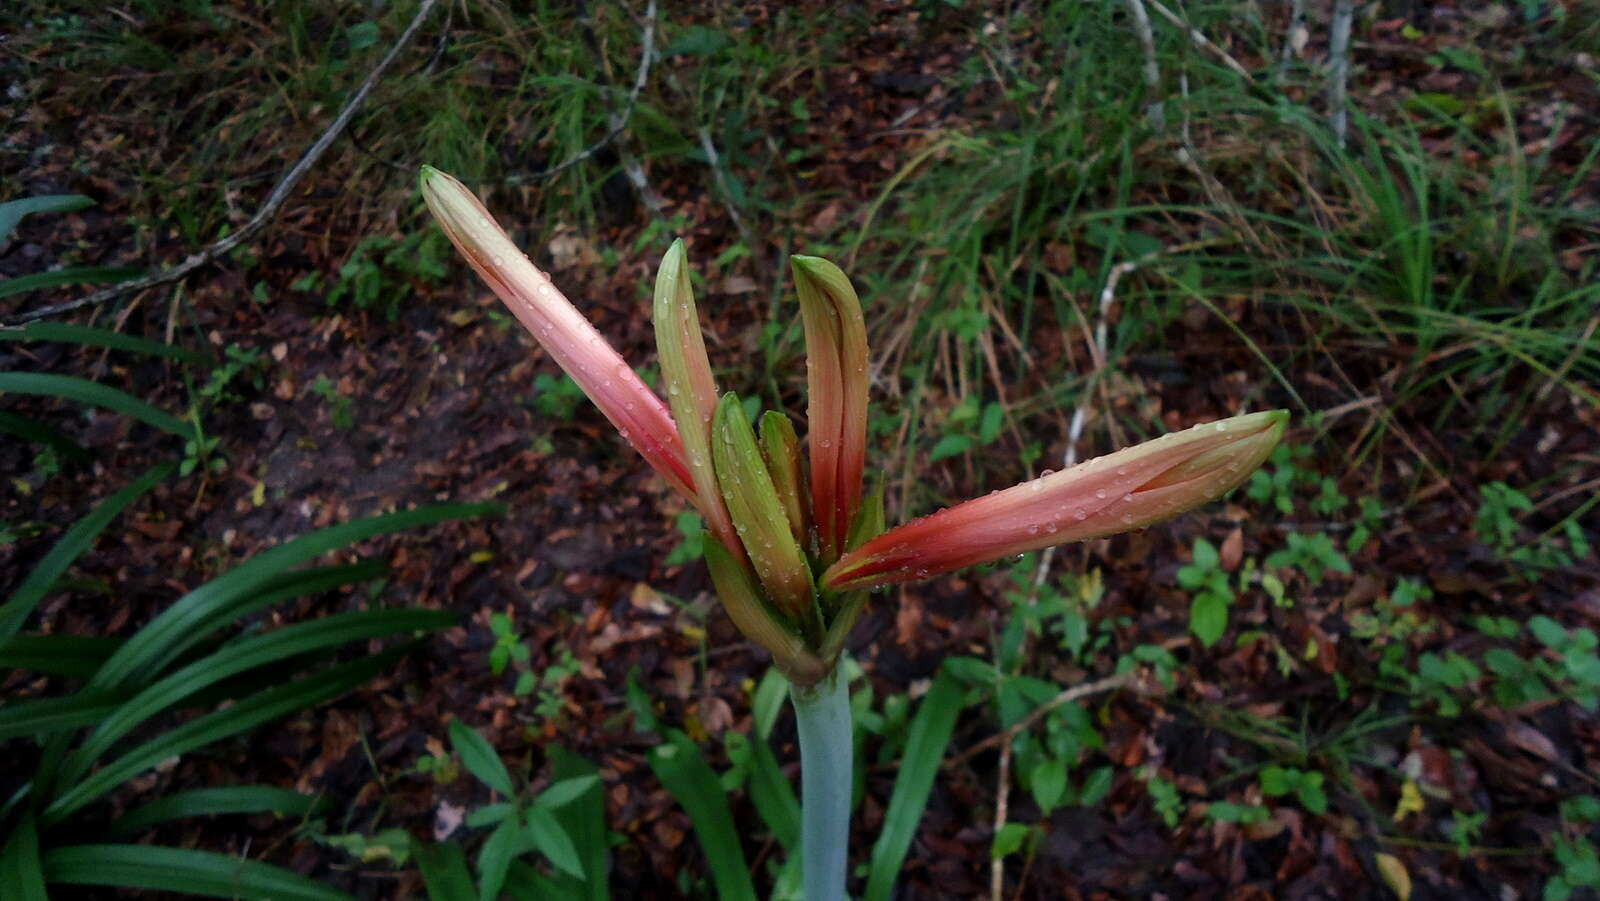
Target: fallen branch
(275, 200)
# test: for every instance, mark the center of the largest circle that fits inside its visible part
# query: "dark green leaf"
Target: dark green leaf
(240, 589)
(444, 871)
(679, 766)
(57, 655)
(480, 758)
(77, 540)
(12, 211)
(584, 822)
(552, 841)
(21, 869)
(181, 870)
(95, 394)
(246, 714)
(98, 337)
(68, 275)
(46, 715)
(925, 745)
(202, 802)
(246, 654)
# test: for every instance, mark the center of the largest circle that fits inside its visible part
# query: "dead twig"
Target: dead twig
(1109, 683)
(1339, 60)
(1155, 107)
(269, 209)
(1294, 39)
(1204, 43)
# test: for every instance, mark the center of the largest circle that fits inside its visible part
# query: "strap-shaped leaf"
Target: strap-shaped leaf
(181, 870)
(925, 746)
(98, 337)
(679, 766)
(69, 275)
(48, 715)
(95, 394)
(246, 654)
(248, 713)
(203, 802)
(77, 540)
(21, 869)
(12, 211)
(237, 591)
(57, 655)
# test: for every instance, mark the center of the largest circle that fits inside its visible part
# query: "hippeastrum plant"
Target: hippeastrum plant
(794, 546)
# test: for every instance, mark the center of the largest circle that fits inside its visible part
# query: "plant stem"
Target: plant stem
(822, 714)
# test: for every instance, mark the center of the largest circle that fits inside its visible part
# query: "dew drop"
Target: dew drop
(1048, 472)
(1127, 520)
(1100, 493)
(1080, 515)
(1127, 498)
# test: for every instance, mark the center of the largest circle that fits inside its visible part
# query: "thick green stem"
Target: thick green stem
(822, 714)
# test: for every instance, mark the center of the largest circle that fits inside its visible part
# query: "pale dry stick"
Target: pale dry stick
(717, 173)
(617, 121)
(1200, 40)
(1339, 58)
(1130, 679)
(631, 167)
(1155, 109)
(997, 865)
(1294, 39)
(275, 200)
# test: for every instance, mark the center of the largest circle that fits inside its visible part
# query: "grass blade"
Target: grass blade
(204, 802)
(444, 871)
(70, 275)
(21, 870)
(246, 654)
(248, 713)
(679, 766)
(12, 211)
(225, 597)
(98, 337)
(95, 394)
(925, 744)
(480, 758)
(181, 870)
(57, 655)
(69, 548)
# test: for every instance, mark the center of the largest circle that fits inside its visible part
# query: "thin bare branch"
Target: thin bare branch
(269, 209)
(1339, 61)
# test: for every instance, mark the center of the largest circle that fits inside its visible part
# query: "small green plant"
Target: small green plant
(1305, 785)
(1204, 575)
(339, 405)
(968, 427)
(1315, 555)
(1278, 484)
(692, 545)
(384, 272)
(1497, 526)
(1164, 795)
(557, 395)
